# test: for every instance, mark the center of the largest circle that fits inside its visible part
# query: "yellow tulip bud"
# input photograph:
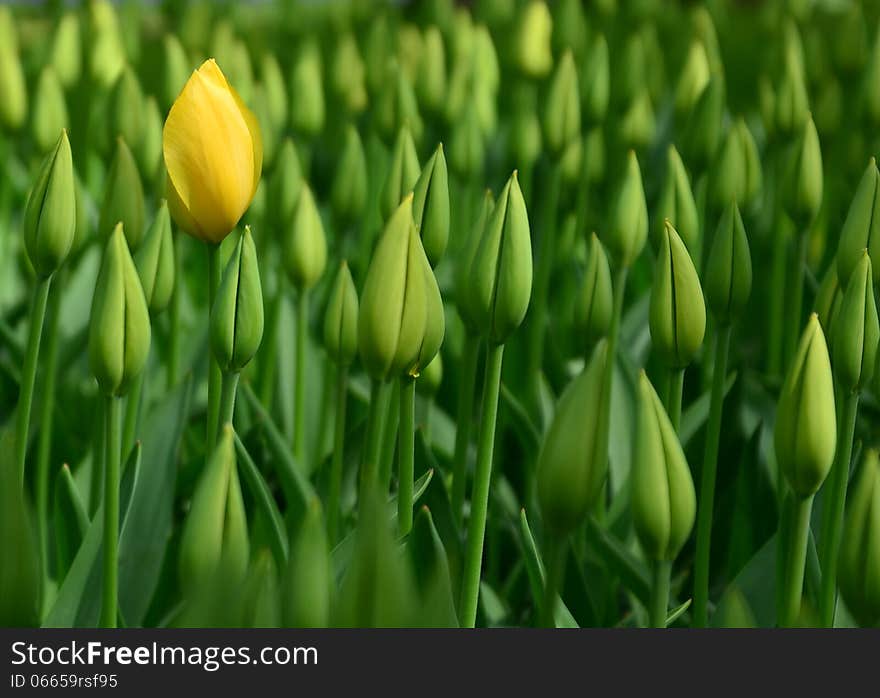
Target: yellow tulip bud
(213, 154)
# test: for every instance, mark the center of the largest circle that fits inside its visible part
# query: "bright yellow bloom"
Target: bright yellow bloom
(213, 154)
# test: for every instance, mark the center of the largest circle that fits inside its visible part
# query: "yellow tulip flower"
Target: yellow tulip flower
(213, 154)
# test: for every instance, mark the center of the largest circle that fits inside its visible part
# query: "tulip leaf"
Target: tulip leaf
(528, 433)
(676, 613)
(633, 575)
(71, 520)
(696, 414)
(266, 503)
(494, 608)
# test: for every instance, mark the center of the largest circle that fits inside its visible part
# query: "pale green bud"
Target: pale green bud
(348, 74)
(702, 133)
(13, 106)
(431, 206)
(49, 114)
(214, 543)
(66, 50)
(803, 186)
(501, 272)
(305, 245)
(50, 213)
(676, 203)
(432, 71)
(595, 301)
(736, 170)
(728, 275)
(268, 132)
(123, 197)
(861, 229)
(261, 605)
(305, 598)
(286, 183)
(636, 127)
(664, 503)
(806, 421)
(397, 107)
(127, 109)
(341, 318)
(525, 137)
(400, 319)
(678, 314)
(533, 51)
(119, 329)
(792, 103)
(155, 262)
(596, 82)
(628, 227)
(467, 144)
(467, 307)
(349, 192)
(858, 573)
(572, 463)
(107, 51)
(562, 108)
(692, 79)
(150, 150)
(275, 92)
(856, 330)
(175, 68)
(237, 314)
(403, 172)
(307, 110)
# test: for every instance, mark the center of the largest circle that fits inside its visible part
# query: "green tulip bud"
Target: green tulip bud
(175, 68)
(636, 127)
(803, 187)
(663, 500)
(525, 138)
(50, 212)
(595, 301)
(806, 423)
(305, 600)
(397, 107)
(13, 106)
(630, 69)
(562, 108)
(432, 71)
(858, 573)
(676, 203)
(155, 262)
(305, 246)
(467, 144)
(286, 183)
(66, 50)
(261, 605)
(728, 275)
(702, 133)
(268, 132)
(736, 170)
(123, 197)
(465, 301)
(594, 152)
(307, 112)
(570, 162)
(861, 229)
(572, 463)
(126, 109)
(49, 114)
(829, 107)
(628, 227)
(107, 56)
(501, 272)
(341, 317)
(347, 74)
(533, 51)
(871, 84)
(856, 331)
(678, 315)
(431, 567)
(692, 79)
(214, 543)
(570, 26)
(349, 193)
(431, 206)
(400, 319)
(792, 103)
(828, 299)
(119, 329)
(237, 314)
(403, 173)
(596, 82)
(150, 150)
(275, 91)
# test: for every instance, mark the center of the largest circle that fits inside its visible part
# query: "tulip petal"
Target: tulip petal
(253, 126)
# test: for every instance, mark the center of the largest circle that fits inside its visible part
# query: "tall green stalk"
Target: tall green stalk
(673, 399)
(333, 511)
(660, 574)
(482, 477)
(215, 378)
(174, 336)
(299, 386)
(132, 411)
(406, 455)
(556, 550)
(706, 502)
(832, 510)
(370, 461)
(227, 398)
(29, 374)
(391, 414)
(463, 420)
(112, 445)
(795, 299)
(795, 562)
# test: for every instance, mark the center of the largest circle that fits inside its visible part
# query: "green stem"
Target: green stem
(269, 352)
(29, 374)
(111, 512)
(391, 412)
(99, 451)
(673, 399)
(227, 398)
(796, 561)
(776, 309)
(796, 296)
(463, 421)
(370, 464)
(662, 569)
(482, 477)
(406, 455)
(706, 501)
(132, 410)
(333, 510)
(555, 574)
(299, 386)
(832, 509)
(215, 378)
(44, 453)
(174, 318)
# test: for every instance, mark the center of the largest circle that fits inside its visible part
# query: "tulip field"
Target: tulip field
(440, 314)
